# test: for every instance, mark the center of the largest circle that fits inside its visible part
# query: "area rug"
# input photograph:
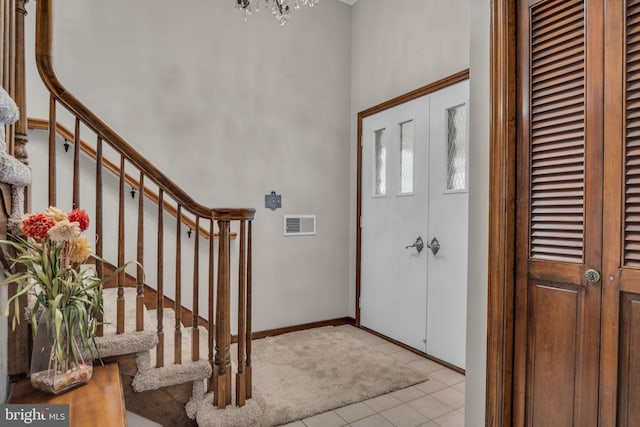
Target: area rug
(304, 373)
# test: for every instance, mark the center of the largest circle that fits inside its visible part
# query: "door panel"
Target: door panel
(629, 369)
(559, 235)
(448, 222)
(553, 350)
(393, 278)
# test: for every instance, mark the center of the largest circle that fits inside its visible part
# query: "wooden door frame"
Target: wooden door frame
(410, 96)
(502, 214)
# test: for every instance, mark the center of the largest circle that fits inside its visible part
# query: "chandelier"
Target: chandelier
(279, 8)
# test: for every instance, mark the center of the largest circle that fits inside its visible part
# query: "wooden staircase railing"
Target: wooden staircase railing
(205, 218)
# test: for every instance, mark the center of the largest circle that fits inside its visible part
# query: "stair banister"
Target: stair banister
(220, 360)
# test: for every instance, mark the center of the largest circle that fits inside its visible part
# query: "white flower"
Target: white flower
(64, 231)
(56, 214)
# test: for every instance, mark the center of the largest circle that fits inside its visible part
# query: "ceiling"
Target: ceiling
(349, 2)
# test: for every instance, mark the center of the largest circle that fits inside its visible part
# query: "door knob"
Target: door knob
(592, 276)
(434, 245)
(418, 244)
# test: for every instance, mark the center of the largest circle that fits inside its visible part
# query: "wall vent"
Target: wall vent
(299, 225)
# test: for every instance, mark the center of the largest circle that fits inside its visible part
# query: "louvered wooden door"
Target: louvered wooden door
(559, 230)
(620, 356)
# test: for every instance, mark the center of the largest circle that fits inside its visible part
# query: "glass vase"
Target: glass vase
(58, 362)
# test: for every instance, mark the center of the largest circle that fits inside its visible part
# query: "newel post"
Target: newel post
(222, 360)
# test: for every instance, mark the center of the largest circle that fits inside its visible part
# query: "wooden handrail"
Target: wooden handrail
(44, 62)
(64, 132)
(220, 361)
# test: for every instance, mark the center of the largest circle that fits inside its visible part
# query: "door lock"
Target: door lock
(418, 244)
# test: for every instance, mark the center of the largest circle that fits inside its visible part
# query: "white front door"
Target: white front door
(414, 185)
(449, 224)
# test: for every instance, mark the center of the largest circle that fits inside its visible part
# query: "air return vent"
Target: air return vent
(299, 225)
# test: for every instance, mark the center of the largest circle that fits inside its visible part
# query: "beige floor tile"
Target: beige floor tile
(388, 348)
(450, 396)
(408, 394)
(425, 365)
(431, 386)
(404, 416)
(382, 403)
(447, 376)
(373, 421)
(461, 387)
(406, 356)
(355, 412)
(326, 419)
(429, 424)
(295, 424)
(430, 407)
(452, 419)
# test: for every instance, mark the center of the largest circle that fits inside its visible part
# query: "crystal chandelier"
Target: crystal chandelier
(279, 8)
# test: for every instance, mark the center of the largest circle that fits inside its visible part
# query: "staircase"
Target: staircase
(171, 336)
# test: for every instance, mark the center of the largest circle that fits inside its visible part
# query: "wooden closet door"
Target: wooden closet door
(559, 228)
(620, 357)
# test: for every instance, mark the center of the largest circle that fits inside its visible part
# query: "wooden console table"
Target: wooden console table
(99, 403)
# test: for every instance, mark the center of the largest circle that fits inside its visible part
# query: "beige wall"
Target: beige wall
(231, 111)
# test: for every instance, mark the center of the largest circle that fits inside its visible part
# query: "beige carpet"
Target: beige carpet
(304, 373)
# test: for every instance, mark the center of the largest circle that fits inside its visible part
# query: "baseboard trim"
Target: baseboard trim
(280, 331)
(413, 350)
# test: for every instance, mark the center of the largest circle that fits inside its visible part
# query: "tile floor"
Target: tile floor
(438, 402)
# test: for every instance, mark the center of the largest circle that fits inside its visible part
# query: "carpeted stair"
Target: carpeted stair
(144, 345)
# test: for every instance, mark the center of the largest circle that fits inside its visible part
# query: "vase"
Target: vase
(59, 362)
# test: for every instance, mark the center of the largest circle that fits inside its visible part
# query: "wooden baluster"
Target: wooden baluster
(4, 55)
(11, 87)
(76, 166)
(160, 279)
(121, 276)
(52, 151)
(140, 258)
(99, 262)
(195, 332)
(211, 312)
(222, 393)
(247, 368)
(21, 128)
(177, 355)
(240, 375)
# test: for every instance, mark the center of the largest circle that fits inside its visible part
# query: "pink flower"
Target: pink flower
(37, 226)
(81, 217)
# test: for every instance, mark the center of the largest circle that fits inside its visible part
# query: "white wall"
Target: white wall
(400, 46)
(231, 111)
(479, 214)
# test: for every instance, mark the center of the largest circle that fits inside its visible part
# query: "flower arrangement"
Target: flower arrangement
(67, 298)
